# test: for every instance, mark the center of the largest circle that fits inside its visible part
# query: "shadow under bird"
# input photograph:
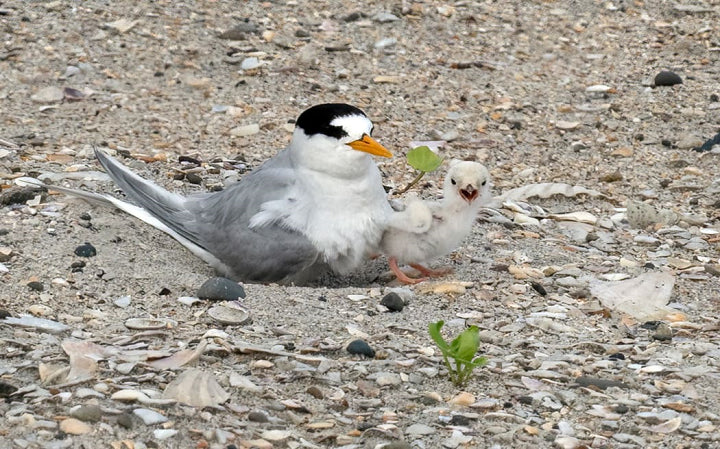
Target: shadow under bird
(427, 230)
(317, 206)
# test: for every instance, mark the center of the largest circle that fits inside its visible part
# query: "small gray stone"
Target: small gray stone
(221, 289)
(125, 420)
(239, 32)
(385, 17)
(663, 332)
(417, 430)
(87, 413)
(257, 417)
(149, 417)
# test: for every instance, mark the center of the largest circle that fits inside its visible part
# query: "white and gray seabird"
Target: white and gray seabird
(317, 206)
(427, 230)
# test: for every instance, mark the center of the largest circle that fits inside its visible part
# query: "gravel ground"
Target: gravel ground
(192, 95)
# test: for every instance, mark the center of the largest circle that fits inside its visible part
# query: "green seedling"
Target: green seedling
(460, 355)
(424, 160)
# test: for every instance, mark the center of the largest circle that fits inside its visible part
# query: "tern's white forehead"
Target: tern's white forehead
(354, 125)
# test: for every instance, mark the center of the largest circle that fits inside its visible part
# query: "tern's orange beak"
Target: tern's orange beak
(369, 145)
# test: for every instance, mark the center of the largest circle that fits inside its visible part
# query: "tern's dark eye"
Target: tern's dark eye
(453, 181)
(483, 183)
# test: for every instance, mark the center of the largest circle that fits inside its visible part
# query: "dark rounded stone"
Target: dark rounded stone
(257, 417)
(36, 286)
(527, 400)
(714, 98)
(393, 302)
(221, 289)
(86, 250)
(4, 314)
(193, 178)
(538, 287)
(460, 420)
(6, 389)
(85, 216)
(667, 78)
(361, 347)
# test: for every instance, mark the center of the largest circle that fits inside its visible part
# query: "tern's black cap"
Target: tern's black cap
(317, 119)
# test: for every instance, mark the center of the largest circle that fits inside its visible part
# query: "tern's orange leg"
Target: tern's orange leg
(430, 272)
(402, 277)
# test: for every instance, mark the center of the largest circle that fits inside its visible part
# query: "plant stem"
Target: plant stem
(412, 183)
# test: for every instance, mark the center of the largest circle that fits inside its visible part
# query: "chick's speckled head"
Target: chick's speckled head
(467, 180)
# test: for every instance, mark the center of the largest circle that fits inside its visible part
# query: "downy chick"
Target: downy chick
(427, 230)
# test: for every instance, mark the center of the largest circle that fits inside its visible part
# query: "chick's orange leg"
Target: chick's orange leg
(430, 272)
(402, 277)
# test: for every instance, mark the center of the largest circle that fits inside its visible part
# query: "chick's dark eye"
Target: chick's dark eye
(483, 183)
(453, 181)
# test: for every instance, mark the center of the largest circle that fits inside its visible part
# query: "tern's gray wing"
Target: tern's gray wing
(218, 223)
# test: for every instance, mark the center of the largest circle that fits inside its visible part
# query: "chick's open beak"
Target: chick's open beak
(469, 193)
(369, 145)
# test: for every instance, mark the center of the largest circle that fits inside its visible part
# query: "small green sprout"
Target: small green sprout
(460, 355)
(424, 160)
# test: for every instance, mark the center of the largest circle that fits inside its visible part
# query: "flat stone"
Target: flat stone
(221, 289)
(74, 426)
(149, 417)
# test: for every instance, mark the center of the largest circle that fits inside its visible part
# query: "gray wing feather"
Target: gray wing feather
(219, 222)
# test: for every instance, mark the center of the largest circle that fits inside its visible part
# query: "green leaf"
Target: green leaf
(423, 159)
(434, 330)
(468, 343)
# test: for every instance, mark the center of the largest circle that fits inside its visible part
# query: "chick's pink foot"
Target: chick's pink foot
(402, 277)
(430, 272)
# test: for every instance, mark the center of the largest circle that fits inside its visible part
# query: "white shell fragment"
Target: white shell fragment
(644, 297)
(196, 388)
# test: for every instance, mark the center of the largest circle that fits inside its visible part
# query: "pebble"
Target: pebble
(125, 420)
(74, 426)
(386, 43)
(239, 32)
(257, 416)
(250, 64)
(385, 17)
(221, 289)
(149, 417)
(387, 379)
(36, 286)
(417, 430)
(40, 324)
(122, 302)
(164, 434)
(361, 347)
(188, 300)
(667, 78)
(87, 413)
(245, 130)
(393, 302)
(85, 250)
(663, 332)
(49, 94)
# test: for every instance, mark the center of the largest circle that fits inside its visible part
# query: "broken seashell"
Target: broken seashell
(196, 388)
(150, 323)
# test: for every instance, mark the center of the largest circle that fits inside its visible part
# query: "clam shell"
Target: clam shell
(196, 388)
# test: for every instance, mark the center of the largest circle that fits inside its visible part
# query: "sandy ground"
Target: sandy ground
(556, 91)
